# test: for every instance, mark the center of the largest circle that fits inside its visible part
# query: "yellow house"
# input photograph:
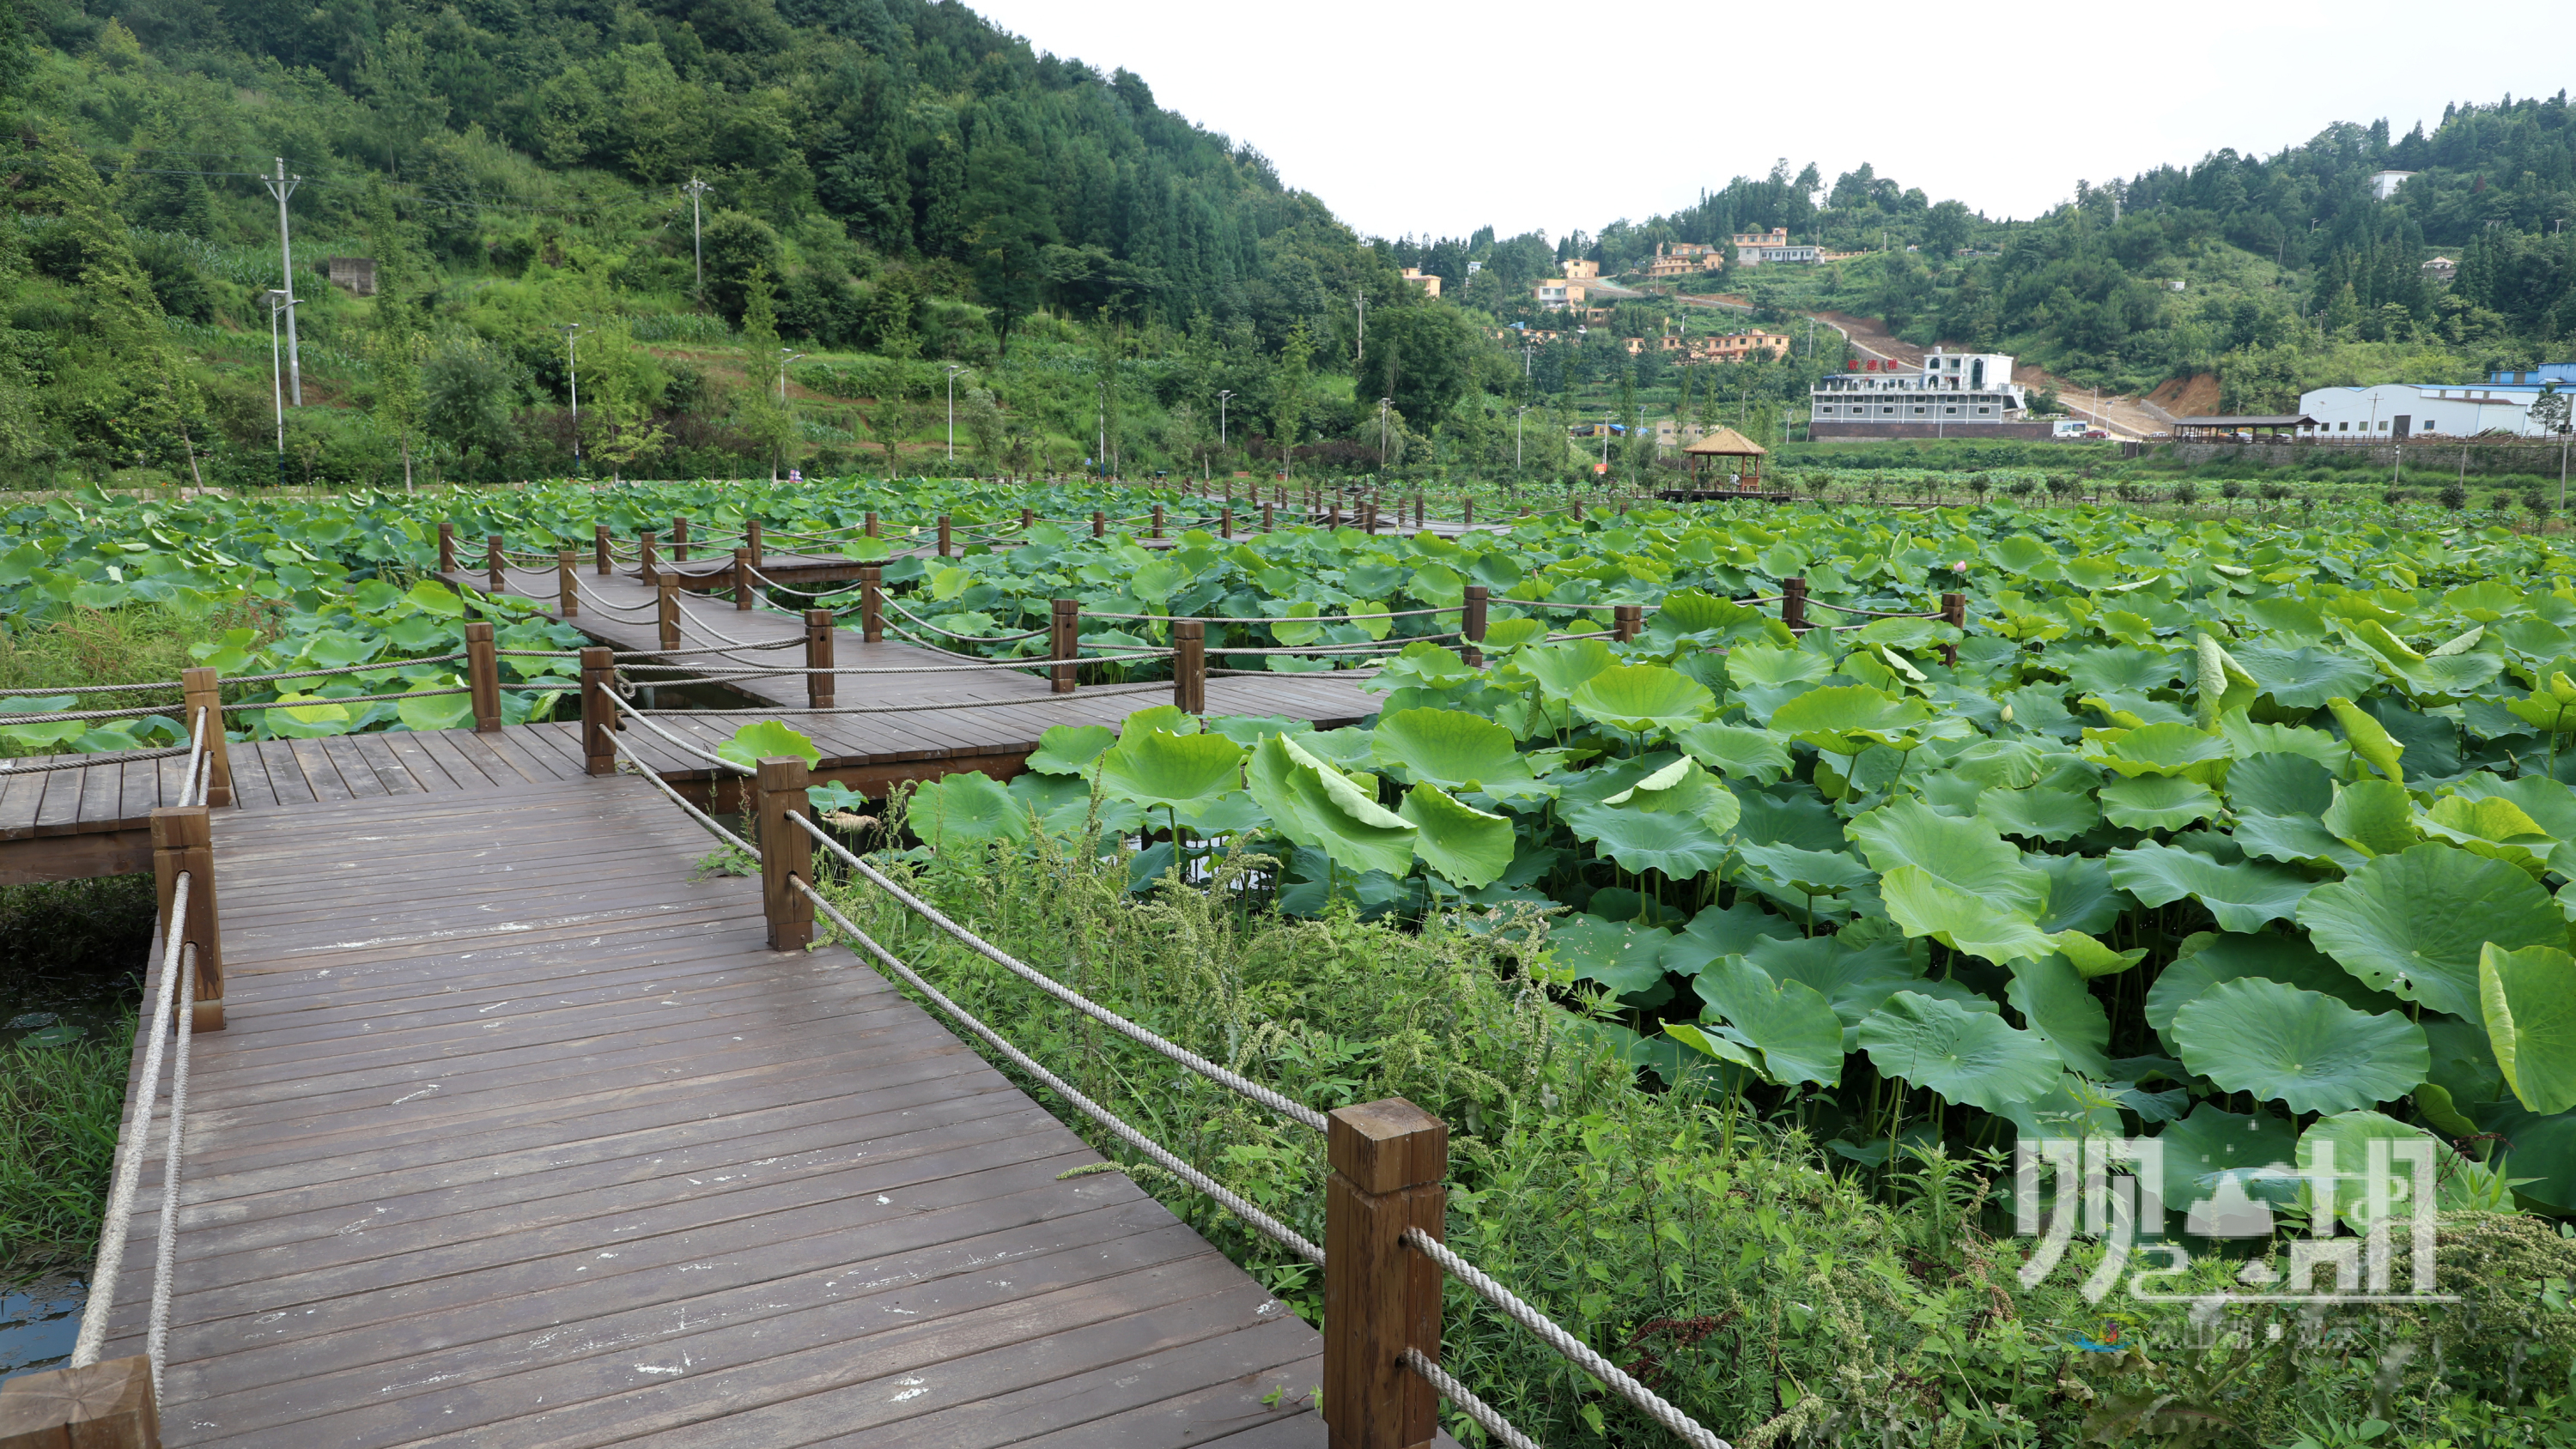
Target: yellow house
(1429, 284)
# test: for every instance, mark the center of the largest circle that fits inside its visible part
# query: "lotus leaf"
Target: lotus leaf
(1754, 754)
(2052, 997)
(1626, 958)
(965, 812)
(2303, 678)
(2081, 896)
(2161, 749)
(2373, 816)
(1560, 669)
(1466, 847)
(765, 740)
(435, 712)
(2368, 738)
(1638, 697)
(1157, 767)
(2413, 923)
(1961, 1055)
(1072, 750)
(1312, 804)
(2530, 1001)
(1927, 905)
(2301, 1048)
(2157, 802)
(1968, 854)
(2040, 812)
(1677, 845)
(2339, 1146)
(2242, 896)
(1455, 750)
(1845, 719)
(1789, 1022)
(2213, 1145)
(2209, 958)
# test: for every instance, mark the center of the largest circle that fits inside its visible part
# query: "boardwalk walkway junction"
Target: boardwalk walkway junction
(469, 1110)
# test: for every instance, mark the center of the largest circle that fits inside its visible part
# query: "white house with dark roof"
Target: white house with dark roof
(2394, 410)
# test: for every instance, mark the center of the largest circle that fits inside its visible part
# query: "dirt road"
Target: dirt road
(2121, 417)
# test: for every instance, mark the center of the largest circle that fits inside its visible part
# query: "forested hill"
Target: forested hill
(901, 177)
(2291, 268)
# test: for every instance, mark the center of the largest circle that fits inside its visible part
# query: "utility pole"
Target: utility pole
(282, 186)
(572, 366)
(953, 370)
(1220, 418)
(697, 234)
(785, 357)
(1520, 420)
(1382, 405)
(1359, 353)
(276, 385)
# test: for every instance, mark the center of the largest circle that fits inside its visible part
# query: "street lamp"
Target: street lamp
(572, 366)
(1382, 405)
(953, 370)
(1220, 438)
(1520, 419)
(278, 301)
(784, 357)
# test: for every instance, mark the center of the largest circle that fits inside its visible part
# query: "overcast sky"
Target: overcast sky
(1439, 116)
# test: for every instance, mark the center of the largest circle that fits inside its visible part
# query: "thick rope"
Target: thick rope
(968, 638)
(1253, 1217)
(1485, 1415)
(86, 689)
(700, 816)
(379, 667)
(1252, 1091)
(1095, 692)
(1575, 1350)
(165, 1254)
(68, 715)
(118, 1219)
(676, 742)
(100, 757)
(319, 700)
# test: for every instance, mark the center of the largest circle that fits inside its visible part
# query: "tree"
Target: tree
(1289, 380)
(626, 383)
(890, 424)
(981, 416)
(763, 412)
(395, 352)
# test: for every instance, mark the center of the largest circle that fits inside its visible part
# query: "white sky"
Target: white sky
(1439, 116)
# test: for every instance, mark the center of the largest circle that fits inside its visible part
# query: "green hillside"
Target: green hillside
(894, 189)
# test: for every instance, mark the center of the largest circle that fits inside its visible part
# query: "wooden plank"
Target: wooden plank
(30, 859)
(21, 797)
(58, 811)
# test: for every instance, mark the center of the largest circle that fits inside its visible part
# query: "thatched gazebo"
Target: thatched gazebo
(1730, 452)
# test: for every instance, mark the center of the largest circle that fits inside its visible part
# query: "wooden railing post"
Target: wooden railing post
(1028, 519)
(666, 599)
(1189, 666)
(1099, 523)
(1471, 623)
(1333, 515)
(1626, 620)
(483, 676)
(567, 584)
(646, 566)
(599, 547)
(872, 604)
(1467, 518)
(183, 842)
(679, 539)
(1793, 604)
(1575, 510)
(1225, 523)
(819, 625)
(1954, 612)
(598, 711)
(1266, 515)
(1158, 522)
(943, 535)
(105, 1405)
(1390, 1163)
(1368, 515)
(872, 525)
(786, 852)
(447, 548)
(751, 541)
(493, 562)
(742, 587)
(1064, 644)
(202, 689)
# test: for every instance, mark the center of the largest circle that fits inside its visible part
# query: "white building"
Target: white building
(2384, 184)
(2395, 410)
(1753, 248)
(1951, 387)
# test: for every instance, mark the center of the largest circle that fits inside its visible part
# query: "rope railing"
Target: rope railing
(898, 607)
(116, 1223)
(1095, 692)
(86, 689)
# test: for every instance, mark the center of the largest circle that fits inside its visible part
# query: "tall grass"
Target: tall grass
(134, 645)
(1710, 1248)
(59, 1112)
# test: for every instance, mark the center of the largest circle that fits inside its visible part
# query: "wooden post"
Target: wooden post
(1333, 516)
(819, 624)
(1421, 511)
(786, 852)
(202, 689)
(183, 842)
(872, 525)
(1189, 666)
(1576, 509)
(447, 548)
(1265, 517)
(483, 677)
(666, 600)
(1225, 523)
(492, 562)
(1471, 624)
(679, 539)
(1368, 515)
(872, 604)
(1793, 604)
(567, 584)
(107, 1405)
(599, 546)
(1390, 1160)
(751, 541)
(742, 578)
(1099, 524)
(1158, 521)
(1064, 644)
(1626, 620)
(1469, 514)
(1028, 519)
(598, 712)
(1954, 612)
(943, 535)
(646, 566)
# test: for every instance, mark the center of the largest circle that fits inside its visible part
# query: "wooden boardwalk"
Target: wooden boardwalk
(520, 1136)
